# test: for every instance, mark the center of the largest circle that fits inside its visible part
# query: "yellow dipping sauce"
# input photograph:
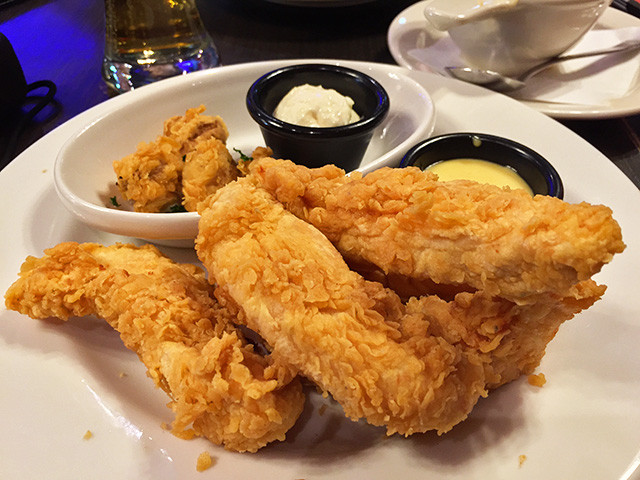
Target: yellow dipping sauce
(481, 171)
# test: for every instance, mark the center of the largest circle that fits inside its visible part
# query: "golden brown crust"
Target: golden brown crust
(206, 169)
(338, 329)
(483, 279)
(411, 367)
(483, 237)
(151, 177)
(165, 313)
(188, 161)
(193, 127)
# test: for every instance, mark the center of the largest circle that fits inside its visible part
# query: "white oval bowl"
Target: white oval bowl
(83, 173)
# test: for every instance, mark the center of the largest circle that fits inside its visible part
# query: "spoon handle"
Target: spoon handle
(627, 46)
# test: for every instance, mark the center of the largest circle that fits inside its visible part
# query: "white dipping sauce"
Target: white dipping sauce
(315, 106)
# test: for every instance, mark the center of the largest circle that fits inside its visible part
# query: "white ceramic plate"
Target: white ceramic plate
(84, 176)
(410, 30)
(60, 380)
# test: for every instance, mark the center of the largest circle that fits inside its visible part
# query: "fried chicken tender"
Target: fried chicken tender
(193, 127)
(193, 146)
(412, 367)
(151, 176)
(206, 169)
(511, 338)
(165, 313)
(460, 233)
(336, 328)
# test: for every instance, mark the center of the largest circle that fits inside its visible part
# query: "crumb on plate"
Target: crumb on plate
(188, 434)
(87, 435)
(537, 380)
(521, 460)
(204, 462)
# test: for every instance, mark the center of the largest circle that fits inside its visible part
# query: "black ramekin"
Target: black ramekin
(534, 169)
(313, 147)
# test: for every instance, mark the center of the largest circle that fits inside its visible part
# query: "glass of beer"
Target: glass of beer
(148, 40)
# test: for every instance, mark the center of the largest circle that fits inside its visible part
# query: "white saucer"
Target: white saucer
(410, 31)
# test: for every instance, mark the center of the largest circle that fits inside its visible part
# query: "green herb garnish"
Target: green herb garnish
(114, 201)
(243, 157)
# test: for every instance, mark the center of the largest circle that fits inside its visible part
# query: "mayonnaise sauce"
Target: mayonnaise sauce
(315, 106)
(481, 171)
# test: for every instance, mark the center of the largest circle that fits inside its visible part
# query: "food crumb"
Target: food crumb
(87, 435)
(204, 462)
(322, 409)
(189, 434)
(537, 380)
(122, 374)
(44, 170)
(521, 460)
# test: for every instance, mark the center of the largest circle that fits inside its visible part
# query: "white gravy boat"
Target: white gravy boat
(510, 36)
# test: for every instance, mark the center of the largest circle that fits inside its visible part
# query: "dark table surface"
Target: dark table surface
(62, 41)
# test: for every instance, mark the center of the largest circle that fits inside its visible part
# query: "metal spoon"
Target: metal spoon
(501, 83)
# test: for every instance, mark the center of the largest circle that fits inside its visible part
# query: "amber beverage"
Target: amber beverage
(147, 40)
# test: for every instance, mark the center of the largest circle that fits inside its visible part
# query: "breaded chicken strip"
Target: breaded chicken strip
(511, 338)
(152, 177)
(461, 233)
(412, 367)
(336, 328)
(165, 313)
(206, 169)
(193, 127)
